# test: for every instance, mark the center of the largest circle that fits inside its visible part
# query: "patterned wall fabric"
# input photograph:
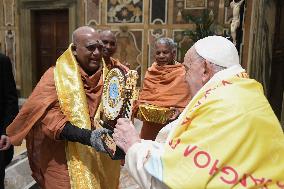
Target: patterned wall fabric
(137, 24)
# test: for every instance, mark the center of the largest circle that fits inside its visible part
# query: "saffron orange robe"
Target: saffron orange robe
(41, 120)
(114, 63)
(163, 86)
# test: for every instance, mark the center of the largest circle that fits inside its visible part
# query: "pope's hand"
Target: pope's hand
(4, 142)
(125, 134)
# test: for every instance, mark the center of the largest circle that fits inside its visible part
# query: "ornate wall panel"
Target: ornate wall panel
(158, 11)
(9, 12)
(10, 47)
(92, 12)
(8, 32)
(129, 48)
(183, 8)
(1, 16)
(137, 24)
(221, 11)
(156, 18)
(195, 4)
(183, 43)
(228, 15)
(124, 11)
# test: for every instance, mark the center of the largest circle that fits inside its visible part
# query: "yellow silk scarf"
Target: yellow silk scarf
(87, 168)
(228, 138)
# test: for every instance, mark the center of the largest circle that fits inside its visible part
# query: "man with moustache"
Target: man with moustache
(109, 48)
(58, 120)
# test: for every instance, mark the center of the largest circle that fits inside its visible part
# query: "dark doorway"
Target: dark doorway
(51, 38)
(277, 68)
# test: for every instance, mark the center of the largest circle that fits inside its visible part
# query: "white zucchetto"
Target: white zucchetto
(218, 50)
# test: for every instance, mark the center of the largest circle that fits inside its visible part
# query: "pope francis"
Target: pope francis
(226, 137)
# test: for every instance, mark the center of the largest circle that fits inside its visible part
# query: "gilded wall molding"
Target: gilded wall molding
(130, 48)
(45, 4)
(9, 18)
(10, 48)
(195, 4)
(92, 9)
(183, 43)
(158, 12)
(124, 12)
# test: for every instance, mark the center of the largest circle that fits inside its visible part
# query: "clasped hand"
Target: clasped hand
(4, 142)
(96, 139)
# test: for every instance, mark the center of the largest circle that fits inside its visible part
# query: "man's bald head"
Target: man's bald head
(107, 33)
(109, 41)
(87, 48)
(81, 32)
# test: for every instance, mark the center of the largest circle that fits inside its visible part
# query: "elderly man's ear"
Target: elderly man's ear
(73, 48)
(208, 71)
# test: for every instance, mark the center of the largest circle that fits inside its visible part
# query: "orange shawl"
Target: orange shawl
(117, 64)
(40, 121)
(165, 86)
(43, 98)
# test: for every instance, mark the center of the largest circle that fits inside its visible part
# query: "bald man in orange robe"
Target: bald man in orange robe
(110, 45)
(164, 86)
(45, 122)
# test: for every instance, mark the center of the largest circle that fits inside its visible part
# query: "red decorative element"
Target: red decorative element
(188, 150)
(224, 82)
(243, 181)
(187, 121)
(229, 171)
(172, 145)
(227, 174)
(261, 181)
(214, 168)
(207, 93)
(198, 164)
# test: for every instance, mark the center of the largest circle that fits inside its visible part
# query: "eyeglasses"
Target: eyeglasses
(95, 46)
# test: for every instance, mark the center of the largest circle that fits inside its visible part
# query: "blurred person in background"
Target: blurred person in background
(8, 111)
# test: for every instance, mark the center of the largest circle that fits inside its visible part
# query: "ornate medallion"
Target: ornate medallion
(113, 92)
(119, 92)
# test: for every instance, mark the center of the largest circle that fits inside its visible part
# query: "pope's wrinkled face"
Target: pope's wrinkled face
(164, 54)
(195, 70)
(88, 51)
